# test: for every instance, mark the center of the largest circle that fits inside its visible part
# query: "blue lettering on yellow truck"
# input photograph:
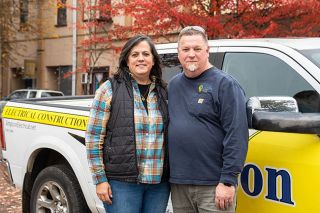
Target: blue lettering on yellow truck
(278, 183)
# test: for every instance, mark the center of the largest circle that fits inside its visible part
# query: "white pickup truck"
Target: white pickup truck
(43, 140)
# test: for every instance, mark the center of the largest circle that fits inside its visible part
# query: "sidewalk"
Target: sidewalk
(10, 197)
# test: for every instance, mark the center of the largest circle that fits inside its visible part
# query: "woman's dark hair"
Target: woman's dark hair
(123, 68)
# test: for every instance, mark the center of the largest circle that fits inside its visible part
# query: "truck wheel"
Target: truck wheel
(56, 189)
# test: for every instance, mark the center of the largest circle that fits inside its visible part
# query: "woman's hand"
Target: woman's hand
(104, 192)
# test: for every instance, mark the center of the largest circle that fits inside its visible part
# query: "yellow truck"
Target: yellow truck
(44, 154)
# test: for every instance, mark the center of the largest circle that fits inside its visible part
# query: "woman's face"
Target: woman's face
(140, 60)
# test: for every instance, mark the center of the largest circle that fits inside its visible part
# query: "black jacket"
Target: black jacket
(120, 145)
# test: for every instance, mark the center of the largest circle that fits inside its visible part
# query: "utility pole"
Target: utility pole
(74, 46)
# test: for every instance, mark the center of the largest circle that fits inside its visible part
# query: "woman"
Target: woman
(126, 136)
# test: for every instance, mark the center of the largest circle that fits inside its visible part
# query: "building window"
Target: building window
(24, 4)
(97, 10)
(99, 75)
(61, 13)
(105, 13)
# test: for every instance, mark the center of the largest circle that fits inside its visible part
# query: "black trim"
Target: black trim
(78, 138)
(218, 59)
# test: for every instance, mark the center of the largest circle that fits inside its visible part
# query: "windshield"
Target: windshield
(313, 55)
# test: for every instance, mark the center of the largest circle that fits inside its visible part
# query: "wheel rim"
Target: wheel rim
(51, 198)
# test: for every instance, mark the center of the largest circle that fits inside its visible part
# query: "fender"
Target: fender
(278, 183)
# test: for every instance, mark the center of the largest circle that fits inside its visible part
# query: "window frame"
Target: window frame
(96, 15)
(31, 93)
(61, 13)
(24, 12)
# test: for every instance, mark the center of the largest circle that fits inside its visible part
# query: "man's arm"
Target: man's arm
(234, 123)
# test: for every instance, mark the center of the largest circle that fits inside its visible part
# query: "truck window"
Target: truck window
(170, 66)
(265, 75)
(313, 55)
(50, 94)
(32, 94)
(18, 95)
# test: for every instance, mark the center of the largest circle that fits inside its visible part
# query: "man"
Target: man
(208, 130)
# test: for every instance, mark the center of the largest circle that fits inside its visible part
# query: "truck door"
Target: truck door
(281, 173)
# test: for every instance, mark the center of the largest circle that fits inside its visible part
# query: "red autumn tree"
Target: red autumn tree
(221, 19)
(94, 23)
(226, 18)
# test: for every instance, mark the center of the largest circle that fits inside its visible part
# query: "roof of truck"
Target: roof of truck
(40, 90)
(296, 43)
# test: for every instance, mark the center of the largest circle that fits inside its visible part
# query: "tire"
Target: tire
(56, 189)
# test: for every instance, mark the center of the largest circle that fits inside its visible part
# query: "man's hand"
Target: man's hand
(224, 196)
(104, 192)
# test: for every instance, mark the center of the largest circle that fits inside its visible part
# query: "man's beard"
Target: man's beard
(192, 67)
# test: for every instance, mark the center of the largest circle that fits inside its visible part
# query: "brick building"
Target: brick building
(45, 56)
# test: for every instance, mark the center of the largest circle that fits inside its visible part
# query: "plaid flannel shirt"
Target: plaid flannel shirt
(148, 133)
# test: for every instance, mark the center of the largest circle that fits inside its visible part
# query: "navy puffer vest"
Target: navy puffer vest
(120, 147)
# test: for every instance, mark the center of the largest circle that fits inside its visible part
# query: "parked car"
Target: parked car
(28, 93)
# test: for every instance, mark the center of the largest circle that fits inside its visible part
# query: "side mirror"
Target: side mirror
(280, 114)
(270, 104)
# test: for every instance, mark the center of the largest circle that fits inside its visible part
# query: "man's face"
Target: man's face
(193, 53)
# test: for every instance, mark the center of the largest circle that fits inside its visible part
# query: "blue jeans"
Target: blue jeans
(138, 198)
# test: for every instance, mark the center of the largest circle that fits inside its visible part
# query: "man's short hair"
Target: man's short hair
(193, 30)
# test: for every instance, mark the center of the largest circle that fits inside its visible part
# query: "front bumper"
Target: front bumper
(5, 169)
